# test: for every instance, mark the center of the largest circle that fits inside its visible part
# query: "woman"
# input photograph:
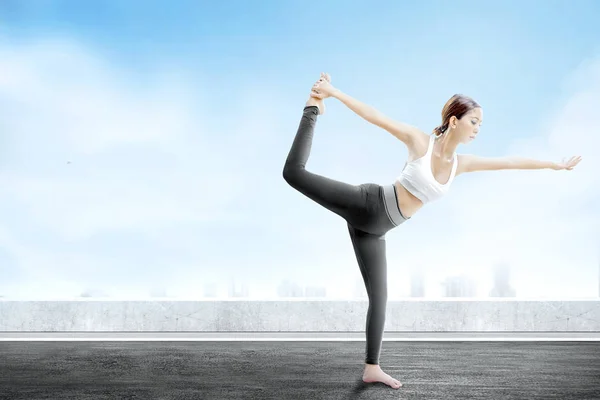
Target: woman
(371, 210)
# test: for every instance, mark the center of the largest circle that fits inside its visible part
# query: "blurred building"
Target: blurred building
(417, 282)
(459, 286)
(315, 291)
(238, 289)
(289, 289)
(501, 279)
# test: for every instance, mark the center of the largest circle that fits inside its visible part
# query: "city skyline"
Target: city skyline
(461, 285)
(450, 286)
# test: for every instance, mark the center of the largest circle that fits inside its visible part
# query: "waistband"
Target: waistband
(390, 200)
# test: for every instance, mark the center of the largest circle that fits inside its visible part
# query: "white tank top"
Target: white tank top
(418, 178)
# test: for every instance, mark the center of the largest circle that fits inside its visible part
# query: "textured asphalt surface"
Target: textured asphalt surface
(297, 370)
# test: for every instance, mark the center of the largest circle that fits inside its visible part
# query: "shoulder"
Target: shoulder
(422, 138)
(419, 145)
(464, 161)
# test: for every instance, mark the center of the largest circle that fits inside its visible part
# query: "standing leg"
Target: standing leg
(370, 251)
(342, 198)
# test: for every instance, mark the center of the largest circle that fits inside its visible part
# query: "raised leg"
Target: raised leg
(346, 200)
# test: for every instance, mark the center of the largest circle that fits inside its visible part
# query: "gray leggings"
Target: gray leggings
(370, 211)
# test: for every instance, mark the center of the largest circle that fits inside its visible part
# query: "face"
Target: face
(468, 126)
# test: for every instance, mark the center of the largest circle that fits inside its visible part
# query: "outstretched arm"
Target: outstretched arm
(404, 132)
(472, 163)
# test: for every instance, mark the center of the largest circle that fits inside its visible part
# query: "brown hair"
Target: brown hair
(457, 106)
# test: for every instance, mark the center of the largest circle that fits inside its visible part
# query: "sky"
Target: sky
(143, 144)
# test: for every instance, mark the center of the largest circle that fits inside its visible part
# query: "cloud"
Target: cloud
(95, 149)
(65, 87)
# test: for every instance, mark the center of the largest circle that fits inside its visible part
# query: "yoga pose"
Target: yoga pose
(371, 210)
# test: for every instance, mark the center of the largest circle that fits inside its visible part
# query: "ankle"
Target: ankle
(315, 103)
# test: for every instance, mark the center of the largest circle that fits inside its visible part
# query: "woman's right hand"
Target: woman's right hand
(323, 88)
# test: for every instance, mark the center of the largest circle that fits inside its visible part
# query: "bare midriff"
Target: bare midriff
(407, 202)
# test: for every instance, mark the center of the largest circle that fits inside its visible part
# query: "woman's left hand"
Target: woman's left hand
(568, 164)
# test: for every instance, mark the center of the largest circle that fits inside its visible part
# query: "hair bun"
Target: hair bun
(440, 129)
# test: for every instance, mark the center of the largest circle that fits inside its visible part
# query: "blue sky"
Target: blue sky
(144, 143)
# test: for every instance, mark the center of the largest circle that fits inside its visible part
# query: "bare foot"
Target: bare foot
(373, 373)
(316, 102)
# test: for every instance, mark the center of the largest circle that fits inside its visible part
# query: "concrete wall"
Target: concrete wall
(300, 316)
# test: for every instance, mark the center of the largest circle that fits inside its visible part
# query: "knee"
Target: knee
(291, 172)
(380, 292)
(379, 302)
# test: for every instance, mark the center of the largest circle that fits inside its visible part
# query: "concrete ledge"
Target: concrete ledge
(298, 316)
